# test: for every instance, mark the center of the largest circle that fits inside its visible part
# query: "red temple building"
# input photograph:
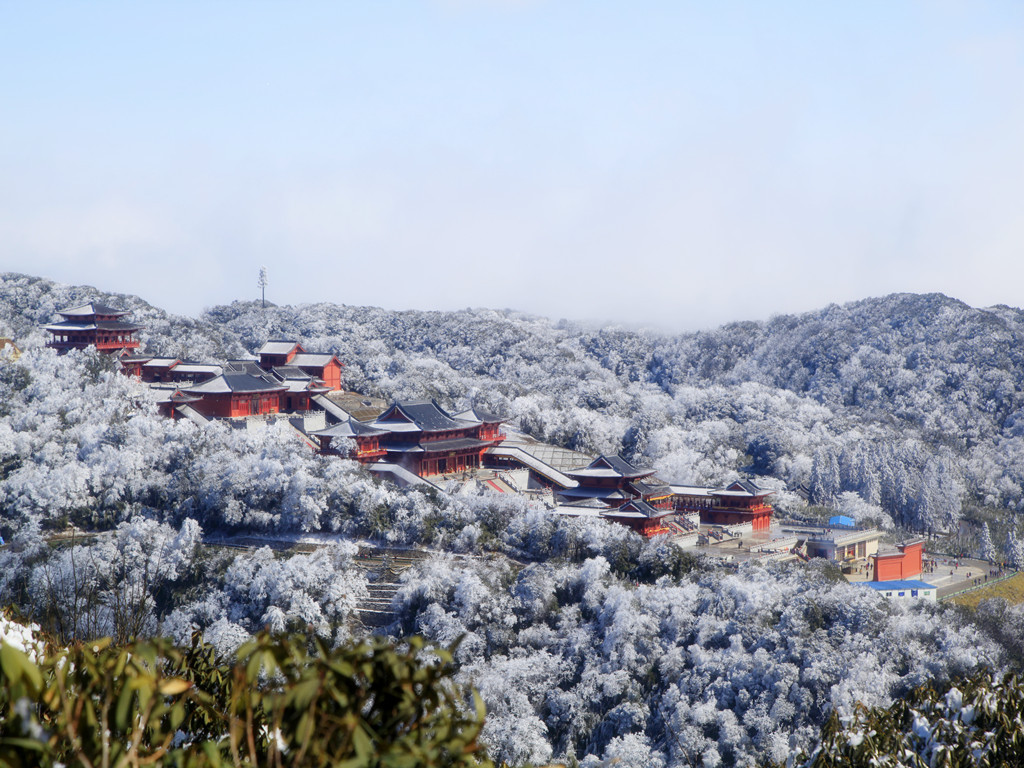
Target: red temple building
(421, 437)
(321, 365)
(613, 481)
(236, 394)
(366, 439)
(301, 387)
(614, 489)
(741, 502)
(641, 517)
(92, 325)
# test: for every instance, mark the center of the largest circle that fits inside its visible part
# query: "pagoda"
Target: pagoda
(92, 325)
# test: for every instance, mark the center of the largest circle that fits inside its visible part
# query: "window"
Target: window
(902, 594)
(913, 593)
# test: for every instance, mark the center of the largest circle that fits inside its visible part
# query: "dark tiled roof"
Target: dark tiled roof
(427, 415)
(243, 366)
(350, 428)
(641, 507)
(614, 465)
(479, 415)
(656, 488)
(240, 383)
(285, 372)
(455, 444)
(748, 486)
(244, 382)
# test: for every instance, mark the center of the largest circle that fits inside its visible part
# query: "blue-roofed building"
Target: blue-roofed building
(908, 589)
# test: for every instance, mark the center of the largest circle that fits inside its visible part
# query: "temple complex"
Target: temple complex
(93, 325)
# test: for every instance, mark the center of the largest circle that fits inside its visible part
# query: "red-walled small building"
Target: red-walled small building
(905, 563)
(155, 370)
(237, 394)
(740, 502)
(301, 388)
(93, 325)
(321, 365)
(365, 437)
(278, 352)
(640, 516)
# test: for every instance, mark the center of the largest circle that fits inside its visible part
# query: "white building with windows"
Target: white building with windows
(904, 590)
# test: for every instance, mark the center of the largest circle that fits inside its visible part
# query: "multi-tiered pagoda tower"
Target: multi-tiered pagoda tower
(93, 325)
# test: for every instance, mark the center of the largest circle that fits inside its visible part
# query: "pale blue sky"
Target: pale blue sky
(674, 163)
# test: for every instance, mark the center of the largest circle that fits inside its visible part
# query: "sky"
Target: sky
(675, 164)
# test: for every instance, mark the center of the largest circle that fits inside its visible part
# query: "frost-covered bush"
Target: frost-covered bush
(708, 666)
(316, 593)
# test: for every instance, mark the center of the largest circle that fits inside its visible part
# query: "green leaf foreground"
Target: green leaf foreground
(281, 702)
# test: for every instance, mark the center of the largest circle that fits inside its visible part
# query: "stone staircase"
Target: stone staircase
(383, 567)
(375, 610)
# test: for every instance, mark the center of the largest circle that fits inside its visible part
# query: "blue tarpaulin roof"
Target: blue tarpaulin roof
(842, 520)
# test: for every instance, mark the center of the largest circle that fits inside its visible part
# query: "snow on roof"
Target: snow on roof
(92, 308)
(350, 428)
(424, 415)
(71, 327)
(478, 416)
(198, 368)
(313, 359)
(278, 347)
(691, 490)
(609, 466)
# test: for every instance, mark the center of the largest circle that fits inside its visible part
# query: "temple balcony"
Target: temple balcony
(369, 453)
(107, 346)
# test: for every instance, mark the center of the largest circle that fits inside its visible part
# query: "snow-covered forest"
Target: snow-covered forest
(584, 640)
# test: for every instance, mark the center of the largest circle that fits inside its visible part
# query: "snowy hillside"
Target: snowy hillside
(584, 639)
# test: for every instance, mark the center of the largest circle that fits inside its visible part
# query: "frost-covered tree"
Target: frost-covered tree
(825, 480)
(986, 549)
(939, 499)
(1014, 549)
